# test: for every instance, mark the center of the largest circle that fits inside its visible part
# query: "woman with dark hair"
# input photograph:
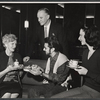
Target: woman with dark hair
(90, 68)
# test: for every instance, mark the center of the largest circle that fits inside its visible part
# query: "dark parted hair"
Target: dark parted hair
(92, 36)
(53, 42)
(46, 10)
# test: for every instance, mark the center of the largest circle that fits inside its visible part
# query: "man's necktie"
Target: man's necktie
(45, 32)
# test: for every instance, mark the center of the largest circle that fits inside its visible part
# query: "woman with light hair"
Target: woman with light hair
(10, 68)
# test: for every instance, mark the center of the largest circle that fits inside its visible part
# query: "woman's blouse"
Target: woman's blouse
(4, 60)
(92, 78)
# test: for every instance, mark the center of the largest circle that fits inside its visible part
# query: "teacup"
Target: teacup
(73, 64)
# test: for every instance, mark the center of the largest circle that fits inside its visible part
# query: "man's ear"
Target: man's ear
(5, 44)
(53, 49)
(48, 16)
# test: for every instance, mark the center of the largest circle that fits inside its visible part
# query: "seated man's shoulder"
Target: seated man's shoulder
(62, 58)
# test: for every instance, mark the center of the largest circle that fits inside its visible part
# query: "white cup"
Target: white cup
(75, 63)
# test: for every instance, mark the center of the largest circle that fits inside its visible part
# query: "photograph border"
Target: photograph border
(49, 1)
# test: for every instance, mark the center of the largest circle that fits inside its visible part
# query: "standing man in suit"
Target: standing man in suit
(47, 28)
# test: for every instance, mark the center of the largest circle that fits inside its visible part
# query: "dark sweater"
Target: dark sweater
(92, 78)
(4, 61)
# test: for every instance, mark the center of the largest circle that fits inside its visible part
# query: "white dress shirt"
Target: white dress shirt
(46, 32)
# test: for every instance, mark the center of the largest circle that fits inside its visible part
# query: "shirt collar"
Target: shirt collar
(48, 24)
(55, 56)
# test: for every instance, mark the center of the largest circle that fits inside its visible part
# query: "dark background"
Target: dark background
(74, 16)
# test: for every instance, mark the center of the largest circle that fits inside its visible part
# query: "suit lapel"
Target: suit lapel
(51, 30)
(42, 32)
(41, 35)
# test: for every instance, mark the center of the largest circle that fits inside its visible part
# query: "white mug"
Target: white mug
(74, 63)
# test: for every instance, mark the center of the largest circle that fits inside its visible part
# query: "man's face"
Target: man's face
(46, 49)
(43, 17)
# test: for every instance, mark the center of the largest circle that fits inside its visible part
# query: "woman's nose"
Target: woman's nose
(39, 19)
(43, 49)
(14, 46)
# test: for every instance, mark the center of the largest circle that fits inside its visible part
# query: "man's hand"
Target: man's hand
(45, 82)
(35, 72)
(20, 66)
(73, 64)
(26, 59)
(34, 69)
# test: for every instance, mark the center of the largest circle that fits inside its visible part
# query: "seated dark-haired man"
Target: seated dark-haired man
(55, 73)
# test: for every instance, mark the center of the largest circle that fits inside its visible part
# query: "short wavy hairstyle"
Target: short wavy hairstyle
(8, 38)
(53, 42)
(92, 36)
(45, 9)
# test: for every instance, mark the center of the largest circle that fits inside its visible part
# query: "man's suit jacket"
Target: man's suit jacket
(56, 29)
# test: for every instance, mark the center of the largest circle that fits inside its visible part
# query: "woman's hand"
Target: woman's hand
(81, 70)
(20, 66)
(11, 67)
(73, 64)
